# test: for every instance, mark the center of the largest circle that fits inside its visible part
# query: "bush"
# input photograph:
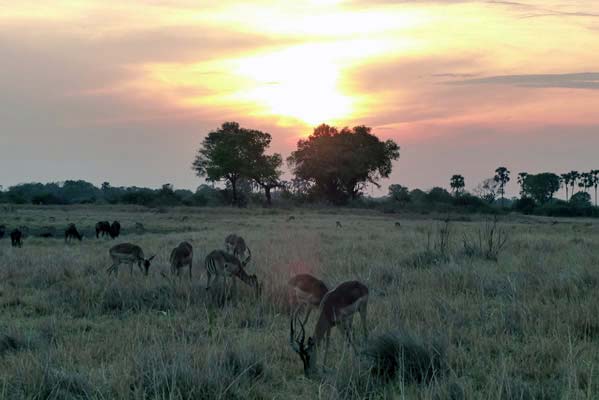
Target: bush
(403, 356)
(525, 205)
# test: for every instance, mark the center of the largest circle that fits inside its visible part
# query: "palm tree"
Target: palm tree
(567, 179)
(574, 176)
(595, 175)
(502, 176)
(586, 181)
(521, 178)
(457, 184)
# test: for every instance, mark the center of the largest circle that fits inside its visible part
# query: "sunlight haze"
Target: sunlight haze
(124, 91)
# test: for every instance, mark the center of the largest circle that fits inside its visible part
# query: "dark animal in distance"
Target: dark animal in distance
(16, 238)
(291, 218)
(127, 253)
(338, 224)
(72, 233)
(2, 231)
(46, 235)
(336, 309)
(307, 291)
(102, 229)
(181, 256)
(398, 225)
(115, 229)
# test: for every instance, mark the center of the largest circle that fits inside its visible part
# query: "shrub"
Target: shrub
(401, 355)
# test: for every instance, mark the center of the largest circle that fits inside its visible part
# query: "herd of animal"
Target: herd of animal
(336, 307)
(103, 229)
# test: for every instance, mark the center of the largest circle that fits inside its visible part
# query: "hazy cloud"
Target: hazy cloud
(584, 80)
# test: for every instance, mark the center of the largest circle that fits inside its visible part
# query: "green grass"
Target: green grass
(455, 325)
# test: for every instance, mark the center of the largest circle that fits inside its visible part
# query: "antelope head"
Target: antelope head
(297, 341)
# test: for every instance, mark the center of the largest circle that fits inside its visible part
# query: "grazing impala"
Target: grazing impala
(224, 265)
(127, 253)
(308, 291)
(337, 308)
(181, 256)
(236, 246)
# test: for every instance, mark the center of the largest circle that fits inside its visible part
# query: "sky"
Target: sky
(124, 91)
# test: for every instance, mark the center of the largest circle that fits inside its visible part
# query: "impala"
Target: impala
(338, 224)
(127, 253)
(308, 292)
(222, 264)
(235, 245)
(181, 256)
(337, 309)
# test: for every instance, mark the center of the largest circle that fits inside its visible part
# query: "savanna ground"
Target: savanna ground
(464, 326)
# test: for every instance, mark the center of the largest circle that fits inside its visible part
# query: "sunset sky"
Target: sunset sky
(123, 91)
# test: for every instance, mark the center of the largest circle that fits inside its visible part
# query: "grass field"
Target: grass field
(524, 326)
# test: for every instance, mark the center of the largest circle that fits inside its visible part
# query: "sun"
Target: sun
(301, 83)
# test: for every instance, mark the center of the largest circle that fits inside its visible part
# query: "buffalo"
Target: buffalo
(16, 237)
(72, 233)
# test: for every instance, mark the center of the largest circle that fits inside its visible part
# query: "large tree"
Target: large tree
(540, 187)
(230, 153)
(502, 177)
(267, 174)
(457, 184)
(339, 163)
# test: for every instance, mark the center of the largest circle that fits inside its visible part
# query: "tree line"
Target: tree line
(330, 166)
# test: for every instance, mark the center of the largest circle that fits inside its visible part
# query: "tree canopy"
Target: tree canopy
(232, 153)
(339, 163)
(540, 187)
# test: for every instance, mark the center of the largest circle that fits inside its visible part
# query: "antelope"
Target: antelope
(291, 218)
(338, 224)
(181, 256)
(16, 237)
(115, 230)
(222, 264)
(72, 233)
(236, 246)
(127, 253)
(102, 228)
(336, 309)
(308, 292)
(398, 225)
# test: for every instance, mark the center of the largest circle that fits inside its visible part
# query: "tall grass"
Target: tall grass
(445, 323)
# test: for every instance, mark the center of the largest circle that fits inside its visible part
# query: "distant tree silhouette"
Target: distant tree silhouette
(586, 181)
(339, 163)
(457, 184)
(231, 153)
(595, 175)
(581, 200)
(566, 179)
(487, 190)
(399, 193)
(574, 176)
(267, 174)
(502, 177)
(540, 187)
